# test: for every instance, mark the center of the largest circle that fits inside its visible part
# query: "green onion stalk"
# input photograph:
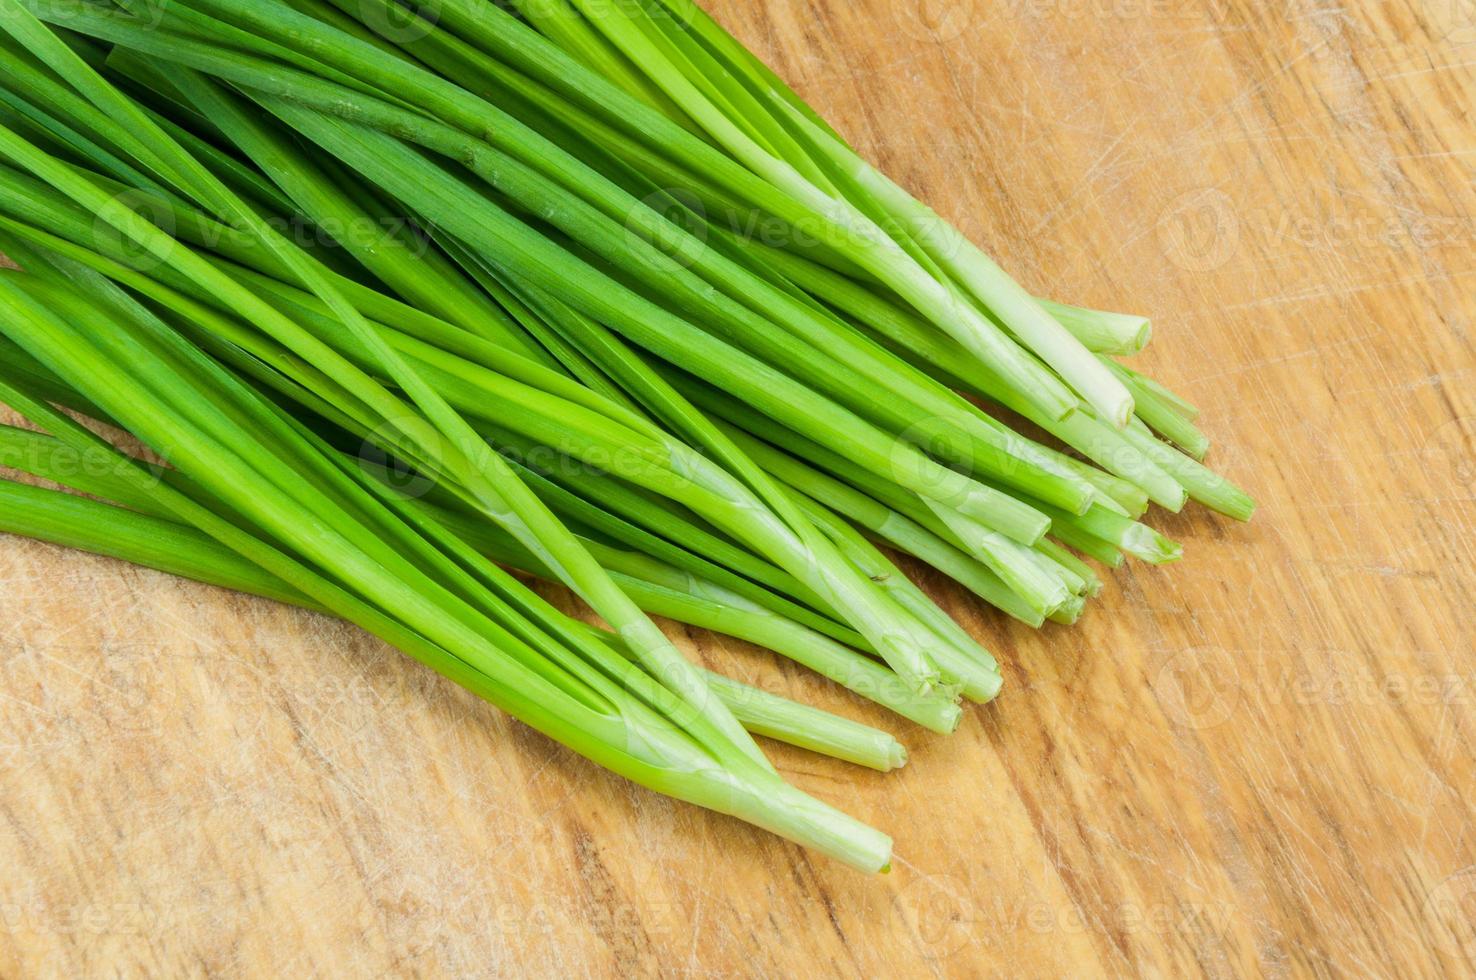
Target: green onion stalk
(511, 252)
(158, 543)
(272, 500)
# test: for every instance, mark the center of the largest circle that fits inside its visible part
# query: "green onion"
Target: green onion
(577, 289)
(88, 525)
(658, 589)
(649, 736)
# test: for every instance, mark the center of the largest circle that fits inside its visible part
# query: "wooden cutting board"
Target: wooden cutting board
(1257, 760)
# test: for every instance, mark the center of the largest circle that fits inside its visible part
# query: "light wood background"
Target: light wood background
(1256, 761)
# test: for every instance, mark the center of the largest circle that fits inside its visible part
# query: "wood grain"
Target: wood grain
(1256, 761)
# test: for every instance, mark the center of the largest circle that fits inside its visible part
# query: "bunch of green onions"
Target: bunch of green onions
(518, 322)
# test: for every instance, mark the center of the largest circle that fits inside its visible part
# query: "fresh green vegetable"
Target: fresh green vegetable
(408, 299)
(103, 529)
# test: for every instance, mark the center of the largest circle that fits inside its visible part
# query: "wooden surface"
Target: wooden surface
(1256, 761)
